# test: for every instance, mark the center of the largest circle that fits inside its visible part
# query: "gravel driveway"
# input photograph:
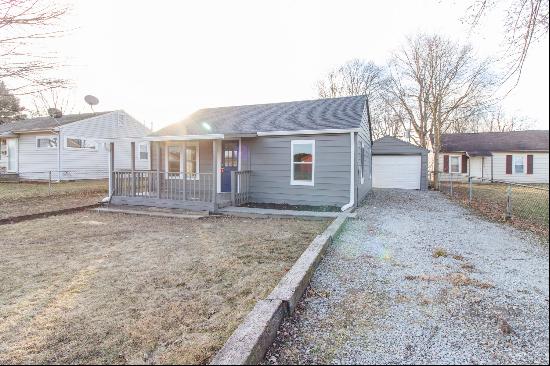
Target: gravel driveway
(418, 279)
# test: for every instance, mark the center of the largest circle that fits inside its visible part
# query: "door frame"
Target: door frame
(219, 160)
(15, 168)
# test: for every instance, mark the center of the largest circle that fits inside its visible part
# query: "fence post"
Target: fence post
(233, 187)
(470, 191)
(49, 183)
(508, 202)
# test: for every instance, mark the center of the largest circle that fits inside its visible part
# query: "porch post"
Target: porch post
(111, 168)
(184, 170)
(214, 173)
(133, 167)
(157, 153)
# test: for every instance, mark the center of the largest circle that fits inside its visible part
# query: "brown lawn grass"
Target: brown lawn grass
(17, 199)
(529, 203)
(112, 288)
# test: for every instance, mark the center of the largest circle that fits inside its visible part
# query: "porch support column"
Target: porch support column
(133, 167)
(184, 162)
(214, 173)
(157, 153)
(111, 169)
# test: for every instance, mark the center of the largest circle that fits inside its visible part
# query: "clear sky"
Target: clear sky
(161, 60)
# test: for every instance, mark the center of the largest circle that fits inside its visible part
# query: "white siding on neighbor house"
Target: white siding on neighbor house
(90, 164)
(35, 163)
(498, 161)
(540, 168)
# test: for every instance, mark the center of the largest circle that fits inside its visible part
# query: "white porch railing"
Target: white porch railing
(240, 187)
(164, 185)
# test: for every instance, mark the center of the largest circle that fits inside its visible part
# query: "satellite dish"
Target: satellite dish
(91, 100)
(54, 113)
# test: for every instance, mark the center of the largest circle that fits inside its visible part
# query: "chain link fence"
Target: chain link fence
(525, 206)
(35, 192)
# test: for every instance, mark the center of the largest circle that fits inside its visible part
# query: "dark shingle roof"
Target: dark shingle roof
(388, 145)
(485, 142)
(41, 123)
(334, 113)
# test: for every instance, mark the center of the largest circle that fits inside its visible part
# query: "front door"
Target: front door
(12, 155)
(230, 162)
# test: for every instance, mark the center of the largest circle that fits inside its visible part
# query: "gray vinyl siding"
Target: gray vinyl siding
(390, 146)
(364, 135)
(270, 162)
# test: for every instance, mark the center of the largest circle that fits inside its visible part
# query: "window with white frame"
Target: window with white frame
(519, 164)
(455, 164)
(143, 151)
(192, 159)
(302, 170)
(46, 142)
(80, 143)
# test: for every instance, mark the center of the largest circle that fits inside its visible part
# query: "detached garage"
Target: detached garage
(399, 164)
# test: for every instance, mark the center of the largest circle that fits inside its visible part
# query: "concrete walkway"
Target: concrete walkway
(258, 212)
(417, 279)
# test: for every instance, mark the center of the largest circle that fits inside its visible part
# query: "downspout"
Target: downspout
(352, 175)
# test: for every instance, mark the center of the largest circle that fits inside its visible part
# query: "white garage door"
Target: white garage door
(396, 171)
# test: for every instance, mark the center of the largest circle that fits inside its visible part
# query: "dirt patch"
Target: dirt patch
(114, 288)
(456, 279)
(19, 199)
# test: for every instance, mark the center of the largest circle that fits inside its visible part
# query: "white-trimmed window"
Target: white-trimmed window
(519, 164)
(143, 151)
(80, 143)
(454, 164)
(302, 163)
(46, 142)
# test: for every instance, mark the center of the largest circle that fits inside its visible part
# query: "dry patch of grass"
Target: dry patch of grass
(17, 199)
(112, 288)
(457, 279)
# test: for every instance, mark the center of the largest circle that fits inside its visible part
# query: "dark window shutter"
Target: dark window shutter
(508, 164)
(445, 163)
(529, 164)
(464, 164)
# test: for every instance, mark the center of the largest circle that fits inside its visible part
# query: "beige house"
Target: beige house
(517, 156)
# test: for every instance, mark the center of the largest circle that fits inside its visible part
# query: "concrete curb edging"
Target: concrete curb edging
(251, 340)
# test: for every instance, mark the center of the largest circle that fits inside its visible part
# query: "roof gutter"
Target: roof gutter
(308, 132)
(352, 175)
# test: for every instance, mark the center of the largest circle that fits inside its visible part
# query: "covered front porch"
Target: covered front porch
(191, 173)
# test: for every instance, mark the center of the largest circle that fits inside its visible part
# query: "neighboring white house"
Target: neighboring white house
(71, 146)
(517, 156)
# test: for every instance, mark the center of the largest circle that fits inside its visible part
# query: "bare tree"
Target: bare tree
(435, 83)
(526, 21)
(23, 25)
(357, 77)
(51, 98)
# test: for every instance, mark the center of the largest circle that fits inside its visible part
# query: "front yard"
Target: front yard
(112, 288)
(18, 199)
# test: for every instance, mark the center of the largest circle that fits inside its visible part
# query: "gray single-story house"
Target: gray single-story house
(399, 164)
(72, 146)
(516, 156)
(313, 152)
